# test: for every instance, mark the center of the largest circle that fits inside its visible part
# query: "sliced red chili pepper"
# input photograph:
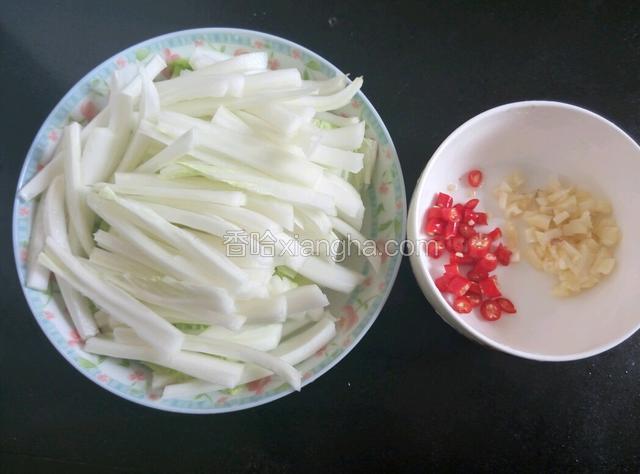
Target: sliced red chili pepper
(503, 254)
(489, 287)
(470, 215)
(459, 243)
(461, 258)
(474, 178)
(482, 218)
(444, 200)
(487, 263)
(435, 248)
(448, 212)
(466, 230)
(479, 245)
(448, 243)
(495, 234)
(452, 269)
(490, 310)
(462, 305)
(476, 275)
(442, 283)
(453, 214)
(475, 218)
(458, 285)
(434, 213)
(475, 288)
(451, 230)
(434, 227)
(506, 305)
(474, 298)
(472, 203)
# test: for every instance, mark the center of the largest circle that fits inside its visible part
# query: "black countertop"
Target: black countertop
(414, 392)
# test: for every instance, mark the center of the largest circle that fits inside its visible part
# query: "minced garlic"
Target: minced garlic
(570, 234)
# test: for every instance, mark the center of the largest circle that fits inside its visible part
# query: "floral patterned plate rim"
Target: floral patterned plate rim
(385, 220)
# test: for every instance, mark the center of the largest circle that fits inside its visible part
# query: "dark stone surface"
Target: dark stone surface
(413, 393)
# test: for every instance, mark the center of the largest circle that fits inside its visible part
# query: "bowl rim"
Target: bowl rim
(425, 281)
(209, 410)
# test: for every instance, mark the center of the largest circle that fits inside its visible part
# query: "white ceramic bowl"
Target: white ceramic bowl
(541, 139)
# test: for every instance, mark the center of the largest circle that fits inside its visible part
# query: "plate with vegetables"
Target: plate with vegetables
(524, 240)
(200, 223)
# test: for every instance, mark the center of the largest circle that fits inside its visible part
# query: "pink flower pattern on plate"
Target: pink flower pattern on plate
(295, 54)
(88, 109)
(104, 378)
(321, 352)
(53, 135)
(222, 400)
(383, 188)
(74, 338)
(169, 55)
(257, 386)
(274, 63)
(380, 243)
(48, 314)
(24, 211)
(240, 51)
(24, 254)
(121, 62)
(136, 376)
(348, 320)
(258, 44)
(198, 42)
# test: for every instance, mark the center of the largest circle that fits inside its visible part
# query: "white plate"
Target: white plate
(384, 220)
